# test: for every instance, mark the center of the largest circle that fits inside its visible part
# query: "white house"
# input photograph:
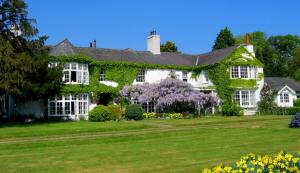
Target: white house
(84, 91)
(287, 90)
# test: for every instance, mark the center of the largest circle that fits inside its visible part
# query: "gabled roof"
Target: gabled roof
(128, 55)
(277, 83)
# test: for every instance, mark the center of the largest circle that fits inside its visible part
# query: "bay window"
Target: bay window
(76, 73)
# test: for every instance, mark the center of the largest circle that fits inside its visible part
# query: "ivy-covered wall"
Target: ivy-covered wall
(125, 72)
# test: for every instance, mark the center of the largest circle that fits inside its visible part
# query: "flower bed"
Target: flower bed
(152, 115)
(282, 162)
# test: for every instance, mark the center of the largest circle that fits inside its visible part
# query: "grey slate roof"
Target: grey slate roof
(277, 83)
(128, 55)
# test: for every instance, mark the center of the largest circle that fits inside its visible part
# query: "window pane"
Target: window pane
(67, 108)
(234, 72)
(244, 72)
(66, 66)
(73, 76)
(73, 66)
(184, 76)
(286, 98)
(67, 76)
(52, 108)
(141, 76)
(237, 97)
(59, 108)
(245, 98)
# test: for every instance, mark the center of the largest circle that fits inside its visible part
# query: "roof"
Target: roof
(128, 55)
(277, 83)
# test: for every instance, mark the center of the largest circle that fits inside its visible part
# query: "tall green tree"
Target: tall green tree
(224, 39)
(294, 65)
(24, 72)
(168, 46)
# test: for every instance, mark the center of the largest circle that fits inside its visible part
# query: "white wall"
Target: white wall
(292, 97)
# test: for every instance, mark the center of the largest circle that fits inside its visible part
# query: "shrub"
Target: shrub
(231, 109)
(116, 111)
(285, 110)
(100, 113)
(282, 162)
(297, 103)
(134, 111)
(295, 122)
(149, 115)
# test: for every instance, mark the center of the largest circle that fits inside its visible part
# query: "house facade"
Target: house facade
(94, 75)
(286, 90)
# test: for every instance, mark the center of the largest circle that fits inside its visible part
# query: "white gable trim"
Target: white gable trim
(288, 88)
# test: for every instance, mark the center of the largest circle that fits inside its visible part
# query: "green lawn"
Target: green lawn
(143, 146)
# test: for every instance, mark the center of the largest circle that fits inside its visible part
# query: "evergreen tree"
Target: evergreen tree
(24, 71)
(168, 46)
(224, 39)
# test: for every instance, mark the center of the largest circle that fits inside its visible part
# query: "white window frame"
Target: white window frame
(141, 75)
(102, 74)
(245, 98)
(81, 72)
(61, 105)
(243, 72)
(284, 97)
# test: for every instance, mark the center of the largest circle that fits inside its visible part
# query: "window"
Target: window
(102, 75)
(148, 107)
(184, 76)
(141, 76)
(205, 77)
(284, 97)
(244, 98)
(234, 72)
(76, 73)
(69, 105)
(244, 72)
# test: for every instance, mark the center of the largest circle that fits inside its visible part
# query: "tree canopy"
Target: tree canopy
(168, 46)
(224, 39)
(24, 71)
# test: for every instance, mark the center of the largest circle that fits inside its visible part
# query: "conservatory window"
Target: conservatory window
(69, 105)
(141, 76)
(102, 75)
(184, 76)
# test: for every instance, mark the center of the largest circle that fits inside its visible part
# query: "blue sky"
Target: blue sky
(191, 24)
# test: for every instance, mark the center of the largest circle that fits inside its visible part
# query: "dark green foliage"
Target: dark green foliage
(230, 108)
(297, 103)
(224, 39)
(294, 65)
(100, 113)
(24, 71)
(134, 111)
(285, 110)
(295, 122)
(266, 104)
(168, 46)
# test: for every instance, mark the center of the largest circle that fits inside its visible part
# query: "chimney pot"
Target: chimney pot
(94, 44)
(247, 39)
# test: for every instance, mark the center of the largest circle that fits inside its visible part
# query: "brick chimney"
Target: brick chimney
(247, 39)
(249, 46)
(153, 43)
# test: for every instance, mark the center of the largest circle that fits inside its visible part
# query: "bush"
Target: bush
(149, 115)
(285, 110)
(295, 122)
(100, 113)
(231, 109)
(297, 103)
(134, 111)
(116, 111)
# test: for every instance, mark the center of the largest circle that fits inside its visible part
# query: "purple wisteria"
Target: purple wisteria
(166, 93)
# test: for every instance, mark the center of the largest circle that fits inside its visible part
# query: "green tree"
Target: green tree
(267, 103)
(224, 39)
(294, 65)
(24, 71)
(168, 46)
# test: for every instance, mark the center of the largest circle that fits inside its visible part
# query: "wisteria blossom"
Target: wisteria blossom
(166, 93)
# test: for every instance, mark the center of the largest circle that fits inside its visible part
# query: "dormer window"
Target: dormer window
(102, 75)
(184, 76)
(141, 76)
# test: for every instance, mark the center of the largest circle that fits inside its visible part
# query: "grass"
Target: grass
(144, 146)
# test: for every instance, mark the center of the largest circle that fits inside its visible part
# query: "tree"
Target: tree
(168, 46)
(168, 95)
(294, 65)
(24, 71)
(224, 39)
(266, 104)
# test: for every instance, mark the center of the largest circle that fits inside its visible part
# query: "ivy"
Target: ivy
(243, 83)
(74, 58)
